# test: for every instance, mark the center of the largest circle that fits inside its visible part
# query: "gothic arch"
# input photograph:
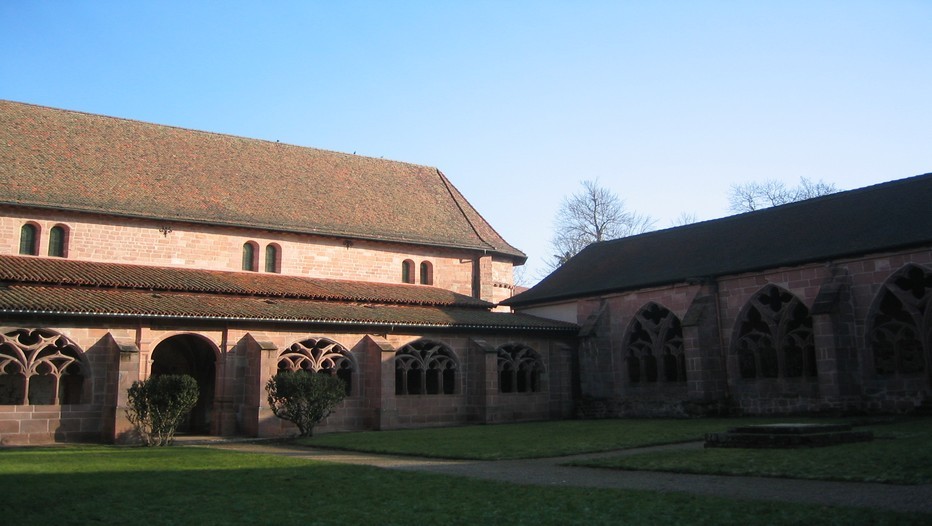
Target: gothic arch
(773, 336)
(900, 323)
(425, 367)
(520, 369)
(653, 346)
(41, 367)
(322, 356)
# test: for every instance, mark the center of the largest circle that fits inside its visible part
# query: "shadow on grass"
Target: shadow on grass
(199, 486)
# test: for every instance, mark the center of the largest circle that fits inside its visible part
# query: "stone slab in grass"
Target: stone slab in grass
(790, 435)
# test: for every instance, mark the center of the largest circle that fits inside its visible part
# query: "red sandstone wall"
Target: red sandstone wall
(122, 240)
(846, 379)
(245, 360)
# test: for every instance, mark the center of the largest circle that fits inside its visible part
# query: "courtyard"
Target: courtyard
(650, 472)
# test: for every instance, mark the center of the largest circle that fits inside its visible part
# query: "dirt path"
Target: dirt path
(550, 472)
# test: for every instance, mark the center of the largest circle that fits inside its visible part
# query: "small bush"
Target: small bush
(157, 405)
(304, 398)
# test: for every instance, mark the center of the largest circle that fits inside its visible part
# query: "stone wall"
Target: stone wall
(136, 241)
(242, 360)
(840, 297)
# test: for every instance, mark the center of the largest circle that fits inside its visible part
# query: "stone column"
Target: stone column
(128, 373)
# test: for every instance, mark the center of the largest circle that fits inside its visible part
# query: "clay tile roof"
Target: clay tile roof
(53, 271)
(883, 217)
(57, 287)
(77, 161)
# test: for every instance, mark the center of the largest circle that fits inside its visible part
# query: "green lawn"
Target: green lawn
(531, 440)
(199, 486)
(900, 454)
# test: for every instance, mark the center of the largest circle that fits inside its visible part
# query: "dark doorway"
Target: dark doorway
(194, 356)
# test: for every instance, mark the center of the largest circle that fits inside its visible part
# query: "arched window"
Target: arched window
(774, 337)
(321, 356)
(519, 369)
(272, 258)
(407, 271)
(654, 346)
(58, 241)
(29, 240)
(427, 273)
(250, 257)
(901, 316)
(425, 367)
(40, 367)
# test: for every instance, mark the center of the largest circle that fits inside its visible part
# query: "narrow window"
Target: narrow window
(272, 259)
(29, 240)
(58, 242)
(249, 256)
(427, 273)
(407, 271)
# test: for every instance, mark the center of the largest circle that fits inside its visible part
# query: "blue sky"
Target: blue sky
(667, 103)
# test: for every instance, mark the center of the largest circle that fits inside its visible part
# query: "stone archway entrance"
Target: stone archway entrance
(192, 355)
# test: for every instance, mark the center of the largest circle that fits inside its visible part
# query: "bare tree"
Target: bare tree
(593, 214)
(756, 195)
(685, 218)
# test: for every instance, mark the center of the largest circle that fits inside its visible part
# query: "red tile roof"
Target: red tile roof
(37, 286)
(77, 161)
(54, 271)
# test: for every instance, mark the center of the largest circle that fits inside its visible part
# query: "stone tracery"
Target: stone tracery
(40, 367)
(319, 355)
(519, 369)
(901, 329)
(655, 332)
(425, 367)
(774, 338)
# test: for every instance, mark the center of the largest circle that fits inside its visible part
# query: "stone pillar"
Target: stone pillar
(482, 391)
(706, 366)
(381, 381)
(261, 364)
(128, 373)
(833, 331)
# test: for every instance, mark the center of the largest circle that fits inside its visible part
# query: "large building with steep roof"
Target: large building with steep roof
(819, 306)
(132, 249)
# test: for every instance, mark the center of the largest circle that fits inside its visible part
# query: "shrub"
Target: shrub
(304, 398)
(157, 405)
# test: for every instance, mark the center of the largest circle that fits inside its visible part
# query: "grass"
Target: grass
(900, 454)
(531, 440)
(180, 486)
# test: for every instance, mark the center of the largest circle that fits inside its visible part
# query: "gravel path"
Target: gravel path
(550, 472)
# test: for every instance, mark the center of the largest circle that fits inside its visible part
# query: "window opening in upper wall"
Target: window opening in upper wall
(407, 271)
(250, 257)
(58, 242)
(272, 258)
(427, 273)
(29, 240)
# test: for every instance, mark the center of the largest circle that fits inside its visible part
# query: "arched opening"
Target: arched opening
(654, 347)
(250, 256)
(192, 355)
(900, 332)
(58, 241)
(29, 240)
(273, 258)
(427, 273)
(773, 337)
(407, 271)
